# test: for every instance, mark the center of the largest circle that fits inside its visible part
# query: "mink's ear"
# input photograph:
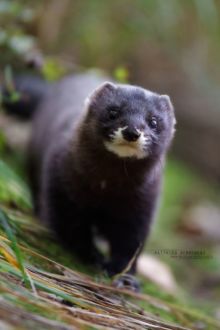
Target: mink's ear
(167, 105)
(105, 89)
(106, 86)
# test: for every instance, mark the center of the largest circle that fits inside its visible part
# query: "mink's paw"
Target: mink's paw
(127, 281)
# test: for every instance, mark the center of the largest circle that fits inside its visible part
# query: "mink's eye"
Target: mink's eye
(153, 123)
(113, 112)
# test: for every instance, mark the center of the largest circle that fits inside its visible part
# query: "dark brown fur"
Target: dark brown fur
(69, 162)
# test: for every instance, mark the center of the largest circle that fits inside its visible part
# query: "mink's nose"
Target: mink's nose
(131, 134)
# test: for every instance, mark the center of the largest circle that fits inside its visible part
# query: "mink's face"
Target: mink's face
(131, 121)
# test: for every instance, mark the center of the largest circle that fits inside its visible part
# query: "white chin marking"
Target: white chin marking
(123, 148)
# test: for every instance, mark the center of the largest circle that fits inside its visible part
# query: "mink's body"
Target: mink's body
(98, 166)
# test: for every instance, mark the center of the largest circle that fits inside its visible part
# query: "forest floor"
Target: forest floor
(44, 287)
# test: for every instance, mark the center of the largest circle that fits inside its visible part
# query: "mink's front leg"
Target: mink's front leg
(126, 238)
(71, 224)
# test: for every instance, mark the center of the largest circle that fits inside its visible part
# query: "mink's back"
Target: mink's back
(58, 112)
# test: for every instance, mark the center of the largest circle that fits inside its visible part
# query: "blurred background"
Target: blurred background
(171, 47)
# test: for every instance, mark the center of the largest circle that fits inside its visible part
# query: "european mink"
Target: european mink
(96, 158)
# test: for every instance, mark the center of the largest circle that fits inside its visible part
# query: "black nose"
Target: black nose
(131, 134)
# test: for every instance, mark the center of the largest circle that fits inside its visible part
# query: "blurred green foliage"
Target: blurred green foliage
(15, 40)
(108, 34)
(121, 74)
(53, 70)
(13, 189)
(2, 142)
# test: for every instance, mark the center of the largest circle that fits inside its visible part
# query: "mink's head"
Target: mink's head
(131, 121)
